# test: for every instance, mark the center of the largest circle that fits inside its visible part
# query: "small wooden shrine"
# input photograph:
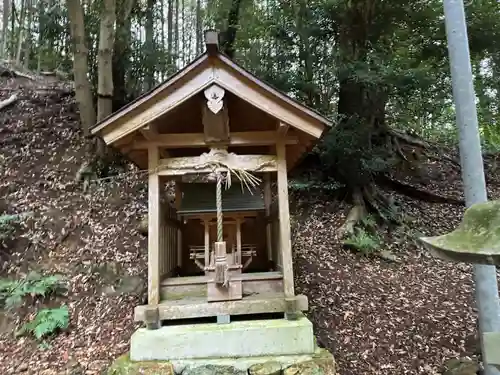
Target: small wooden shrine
(226, 140)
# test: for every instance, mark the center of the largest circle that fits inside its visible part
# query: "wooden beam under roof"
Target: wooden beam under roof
(185, 140)
(150, 132)
(282, 129)
(205, 164)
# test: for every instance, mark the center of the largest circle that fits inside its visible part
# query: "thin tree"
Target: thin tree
(5, 28)
(83, 91)
(105, 60)
(232, 26)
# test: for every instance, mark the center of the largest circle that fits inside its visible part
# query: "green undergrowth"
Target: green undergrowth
(8, 224)
(46, 323)
(14, 292)
(365, 238)
(35, 287)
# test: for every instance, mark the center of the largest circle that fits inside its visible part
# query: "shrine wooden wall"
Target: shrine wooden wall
(168, 240)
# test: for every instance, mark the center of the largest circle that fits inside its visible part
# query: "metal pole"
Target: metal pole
(471, 159)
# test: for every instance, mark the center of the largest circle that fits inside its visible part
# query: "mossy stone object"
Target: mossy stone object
(324, 359)
(213, 370)
(304, 368)
(461, 366)
(476, 240)
(124, 366)
(266, 368)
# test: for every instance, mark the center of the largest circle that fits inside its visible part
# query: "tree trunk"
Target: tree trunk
(150, 60)
(41, 32)
(305, 55)
(83, 91)
(176, 37)
(27, 51)
(232, 26)
(361, 145)
(199, 30)
(170, 20)
(105, 69)
(5, 28)
(121, 53)
(164, 67)
(14, 13)
(20, 34)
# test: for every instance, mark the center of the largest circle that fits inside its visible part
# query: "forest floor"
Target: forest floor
(377, 316)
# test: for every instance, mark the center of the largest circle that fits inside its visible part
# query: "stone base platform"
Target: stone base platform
(321, 362)
(252, 338)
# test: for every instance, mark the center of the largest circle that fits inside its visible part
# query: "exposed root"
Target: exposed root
(5, 103)
(409, 139)
(454, 161)
(417, 193)
(355, 215)
(7, 70)
(424, 145)
(381, 204)
(399, 151)
(365, 200)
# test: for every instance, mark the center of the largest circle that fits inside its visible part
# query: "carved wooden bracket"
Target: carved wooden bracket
(215, 116)
(215, 96)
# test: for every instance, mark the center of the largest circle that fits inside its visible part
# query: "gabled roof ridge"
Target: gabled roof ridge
(228, 62)
(158, 88)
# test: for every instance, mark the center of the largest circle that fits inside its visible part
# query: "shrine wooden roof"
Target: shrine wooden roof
(173, 109)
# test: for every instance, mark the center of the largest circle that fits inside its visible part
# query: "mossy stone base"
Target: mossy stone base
(124, 366)
(320, 363)
(304, 368)
(266, 368)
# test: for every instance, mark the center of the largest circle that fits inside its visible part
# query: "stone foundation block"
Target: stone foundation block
(237, 339)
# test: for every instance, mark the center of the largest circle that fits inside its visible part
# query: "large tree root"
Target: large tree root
(369, 199)
(5, 103)
(425, 146)
(355, 215)
(415, 192)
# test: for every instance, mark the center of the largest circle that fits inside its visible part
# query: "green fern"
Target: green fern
(46, 323)
(12, 292)
(7, 288)
(7, 225)
(363, 241)
(369, 221)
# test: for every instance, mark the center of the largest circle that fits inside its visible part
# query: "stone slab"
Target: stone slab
(253, 338)
(492, 348)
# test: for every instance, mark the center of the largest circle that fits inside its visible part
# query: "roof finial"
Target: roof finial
(212, 42)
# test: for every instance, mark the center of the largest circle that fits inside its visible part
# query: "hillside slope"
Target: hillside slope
(89, 238)
(377, 317)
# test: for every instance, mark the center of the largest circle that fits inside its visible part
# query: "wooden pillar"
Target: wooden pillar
(284, 220)
(153, 227)
(238, 242)
(207, 243)
(178, 198)
(267, 203)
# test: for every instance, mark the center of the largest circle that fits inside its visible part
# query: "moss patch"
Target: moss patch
(124, 366)
(321, 363)
(324, 359)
